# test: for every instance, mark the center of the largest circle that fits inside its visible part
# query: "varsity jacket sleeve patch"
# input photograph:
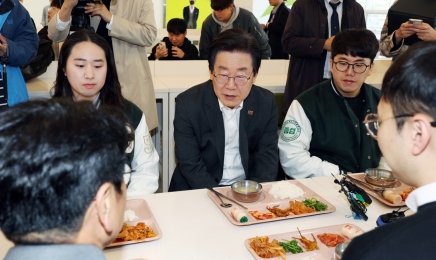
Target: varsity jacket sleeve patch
(145, 163)
(294, 144)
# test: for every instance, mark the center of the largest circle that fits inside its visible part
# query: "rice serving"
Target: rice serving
(129, 215)
(285, 190)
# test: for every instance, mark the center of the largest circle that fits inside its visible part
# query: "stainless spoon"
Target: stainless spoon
(224, 205)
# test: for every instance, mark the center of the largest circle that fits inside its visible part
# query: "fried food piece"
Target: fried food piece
(406, 193)
(262, 216)
(138, 232)
(298, 207)
(279, 212)
(330, 239)
(263, 248)
(308, 245)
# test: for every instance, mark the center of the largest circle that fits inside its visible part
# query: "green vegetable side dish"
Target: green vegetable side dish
(291, 246)
(318, 205)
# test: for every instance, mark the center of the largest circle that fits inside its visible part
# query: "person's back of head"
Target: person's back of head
(59, 161)
(406, 115)
(409, 85)
(219, 5)
(355, 42)
(235, 40)
(177, 26)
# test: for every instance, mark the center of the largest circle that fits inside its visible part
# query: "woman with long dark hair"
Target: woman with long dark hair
(86, 71)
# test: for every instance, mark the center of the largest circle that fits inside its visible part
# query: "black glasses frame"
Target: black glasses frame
(367, 121)
(352, 65)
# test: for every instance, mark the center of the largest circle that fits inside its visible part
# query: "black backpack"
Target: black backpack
(38, 65)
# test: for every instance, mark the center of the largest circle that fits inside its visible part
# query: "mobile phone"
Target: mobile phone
(162, 45)
(415, 21)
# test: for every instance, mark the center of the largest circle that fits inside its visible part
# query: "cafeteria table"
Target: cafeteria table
(193, 227)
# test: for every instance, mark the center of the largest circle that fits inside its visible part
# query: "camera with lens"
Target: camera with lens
(80, 20)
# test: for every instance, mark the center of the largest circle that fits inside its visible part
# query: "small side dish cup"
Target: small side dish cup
(340, 248)
(380, 177)
(246, 190)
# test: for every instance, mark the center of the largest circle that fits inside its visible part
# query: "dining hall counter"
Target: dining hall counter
(193, 227)
(170, 78)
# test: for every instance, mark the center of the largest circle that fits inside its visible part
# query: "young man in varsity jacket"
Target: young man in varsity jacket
(323, 131)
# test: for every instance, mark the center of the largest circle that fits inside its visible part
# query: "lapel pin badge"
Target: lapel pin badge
(250, 112)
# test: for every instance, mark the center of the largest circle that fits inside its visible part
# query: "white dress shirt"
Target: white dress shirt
(329, 15)
(232, 168)
(422, 195)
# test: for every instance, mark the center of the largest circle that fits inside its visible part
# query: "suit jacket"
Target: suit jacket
(200, 138)
(275, 32)
(186, 15)
(410, 238)
(305, 34)
(133, 29)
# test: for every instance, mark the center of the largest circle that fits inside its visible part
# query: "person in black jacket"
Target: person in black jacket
(274, 29)
(177, 46)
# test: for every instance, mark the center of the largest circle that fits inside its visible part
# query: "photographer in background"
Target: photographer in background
(128, 27)
(18, 45)
(176, 46)
(393, 45)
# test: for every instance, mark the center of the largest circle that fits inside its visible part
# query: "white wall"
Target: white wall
(35, 8)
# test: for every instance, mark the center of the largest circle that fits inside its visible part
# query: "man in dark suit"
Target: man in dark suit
(274, 28)
(226, 128)
(190, 14)
(405, 129)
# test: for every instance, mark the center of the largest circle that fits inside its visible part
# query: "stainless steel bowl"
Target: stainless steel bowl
(246, 190)
(340, 248)
(380, 177)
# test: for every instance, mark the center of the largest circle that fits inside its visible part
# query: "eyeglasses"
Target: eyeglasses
(239, 80)
(127, 176)
(343, 66)
(372, 123)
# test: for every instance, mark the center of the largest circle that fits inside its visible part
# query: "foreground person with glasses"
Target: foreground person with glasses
(406, 134)
(61, 179)
(323, 131)
(226, 128)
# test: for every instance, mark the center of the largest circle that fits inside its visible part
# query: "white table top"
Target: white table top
(193, 227)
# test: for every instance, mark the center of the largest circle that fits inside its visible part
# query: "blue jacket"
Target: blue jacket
(22, 41)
